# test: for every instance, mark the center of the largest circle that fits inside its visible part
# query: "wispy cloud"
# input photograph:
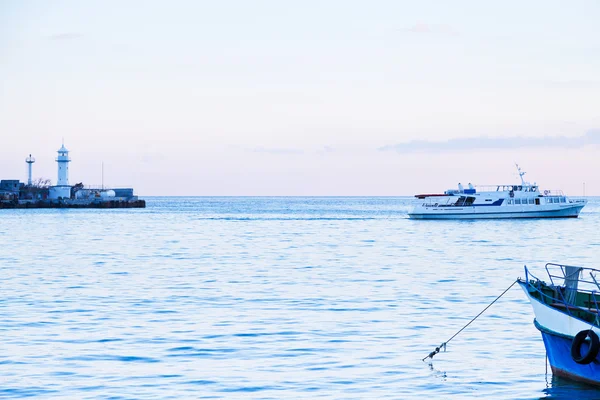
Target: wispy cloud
(431, 29)
(271, 150)
(324, 150)
(591, 137)
(574, 83)
(66, 36)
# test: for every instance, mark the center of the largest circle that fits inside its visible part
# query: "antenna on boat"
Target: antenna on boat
(521, 173)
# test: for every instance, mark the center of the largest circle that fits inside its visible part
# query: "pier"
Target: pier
(68, 203)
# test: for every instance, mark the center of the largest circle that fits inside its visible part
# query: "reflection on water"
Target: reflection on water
(435, 372)
(561, 388)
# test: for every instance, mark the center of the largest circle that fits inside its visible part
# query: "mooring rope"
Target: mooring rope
(443, 345)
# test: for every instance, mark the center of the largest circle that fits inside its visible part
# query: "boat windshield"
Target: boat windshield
(464, 201)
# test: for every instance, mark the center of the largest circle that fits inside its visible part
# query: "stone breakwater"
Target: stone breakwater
(73, 204)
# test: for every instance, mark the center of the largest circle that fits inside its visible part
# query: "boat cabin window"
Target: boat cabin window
(537, 201)
(517, 201)
(510, 201)
(464, 201)
(531, 201)
(563, 199)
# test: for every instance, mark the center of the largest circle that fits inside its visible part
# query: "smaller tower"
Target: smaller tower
(29, 160)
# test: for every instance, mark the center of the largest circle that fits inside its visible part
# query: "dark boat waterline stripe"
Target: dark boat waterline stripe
(506, 212)
(491, 214)
(569, 375)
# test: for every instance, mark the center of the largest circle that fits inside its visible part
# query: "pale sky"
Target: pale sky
(302, 97)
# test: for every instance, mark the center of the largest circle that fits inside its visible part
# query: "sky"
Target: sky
(327, 98)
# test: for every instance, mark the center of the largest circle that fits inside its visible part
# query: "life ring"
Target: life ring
(594, 347)
(546, 192)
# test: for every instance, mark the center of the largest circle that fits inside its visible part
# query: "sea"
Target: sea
(277, 298)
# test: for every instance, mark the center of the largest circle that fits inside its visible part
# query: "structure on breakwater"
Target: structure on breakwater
(39, 194)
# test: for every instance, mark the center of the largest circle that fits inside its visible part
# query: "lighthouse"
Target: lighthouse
(62, 188)
(29, 160)
(63, 166)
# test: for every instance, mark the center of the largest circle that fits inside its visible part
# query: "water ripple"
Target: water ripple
(270, 298)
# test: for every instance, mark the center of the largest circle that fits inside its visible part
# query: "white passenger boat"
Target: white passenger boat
(524, 200)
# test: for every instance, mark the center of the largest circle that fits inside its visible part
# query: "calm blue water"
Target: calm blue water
(275, 298)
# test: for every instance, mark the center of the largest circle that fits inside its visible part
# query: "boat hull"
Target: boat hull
(492, 213)
(558, 329)
(558, 349)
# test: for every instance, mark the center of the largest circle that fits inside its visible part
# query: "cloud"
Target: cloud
(431, 29)
(66, 36)
(325, 150)
(277, 150)
(574, 83)
(591, 137)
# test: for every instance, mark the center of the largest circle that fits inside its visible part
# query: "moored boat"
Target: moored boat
(524, 200)
(567, 313)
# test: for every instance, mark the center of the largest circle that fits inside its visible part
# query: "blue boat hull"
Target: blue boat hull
(558, 348)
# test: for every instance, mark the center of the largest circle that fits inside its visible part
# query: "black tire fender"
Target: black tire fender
(592, 351)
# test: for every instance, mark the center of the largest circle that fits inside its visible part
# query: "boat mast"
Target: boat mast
(521, 174)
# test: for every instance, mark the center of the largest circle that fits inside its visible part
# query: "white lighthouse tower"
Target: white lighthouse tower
(29, 160)
(63, 166)
(62, 188)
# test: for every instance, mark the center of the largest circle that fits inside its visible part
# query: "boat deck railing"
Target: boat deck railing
(569, 284)
(552, 192)
(507, 188)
